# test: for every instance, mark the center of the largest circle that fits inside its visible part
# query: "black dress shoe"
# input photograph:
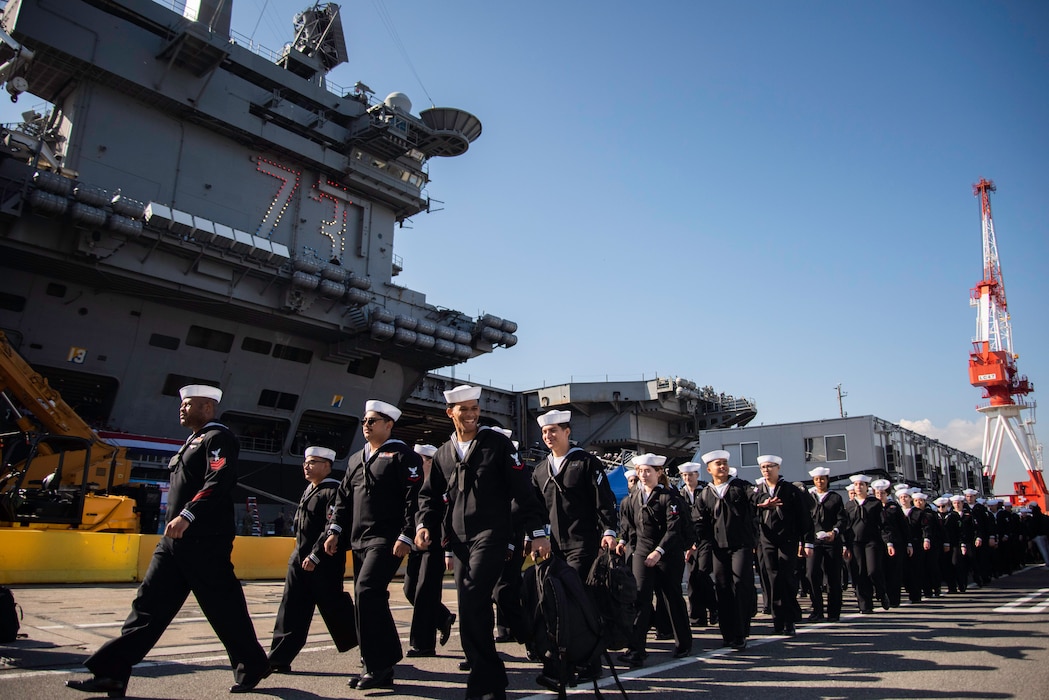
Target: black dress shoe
(589, 675)
(790, 631)
(110, 686)
(663, 636)
(280, 668)
(682, 652)
(464, 666)
(246, 686)
(833, 619)
(381, 679)
(713, 619)
(739, 645)
(446, 629)
(420, 653)
(885, 604)
(633, 659)
(816, 617)
(504, 638)
(548, 682)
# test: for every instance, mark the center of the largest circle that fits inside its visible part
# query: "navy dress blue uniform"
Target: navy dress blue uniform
(648, 522)
(203, 475)
(376, 503)
(782, 530)
(919, 534)
(702, 600)
(825, 561)
(733, 523)
(580, 505)
(469, 497)
(867, 540)
(895, 525)
(319, 589)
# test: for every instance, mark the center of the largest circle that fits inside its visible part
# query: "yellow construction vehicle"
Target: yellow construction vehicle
(57, 473)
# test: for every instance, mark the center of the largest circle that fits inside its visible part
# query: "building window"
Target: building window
(209, 339)
(292, 353)
(278, 399)
(257, 433)
(167, 342)
(325, 429)
(261, 347)
(748, 454)
(827, 448)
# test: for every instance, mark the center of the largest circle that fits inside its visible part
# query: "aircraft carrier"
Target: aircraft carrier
(198, 210)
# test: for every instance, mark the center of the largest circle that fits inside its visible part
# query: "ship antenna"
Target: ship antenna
(391, 29)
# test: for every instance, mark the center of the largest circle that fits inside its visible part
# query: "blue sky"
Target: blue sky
(768, 197)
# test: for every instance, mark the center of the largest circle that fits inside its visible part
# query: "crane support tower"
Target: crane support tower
(992, 367)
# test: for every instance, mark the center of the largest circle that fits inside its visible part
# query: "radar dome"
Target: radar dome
(399, 101)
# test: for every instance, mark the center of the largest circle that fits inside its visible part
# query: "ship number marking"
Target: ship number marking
(77, 355)
(282, 198)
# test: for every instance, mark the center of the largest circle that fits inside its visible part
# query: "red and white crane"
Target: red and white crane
(992, 367)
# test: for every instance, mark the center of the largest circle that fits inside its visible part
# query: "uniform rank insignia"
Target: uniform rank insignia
(387, 455)
(413, 474)
(518, 464)
(444, 497)
(673, 509)
(217, 461)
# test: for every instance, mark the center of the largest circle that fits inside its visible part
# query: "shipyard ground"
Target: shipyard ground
(989, 643)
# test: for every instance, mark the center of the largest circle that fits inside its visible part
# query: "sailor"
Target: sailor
(727, 503)
(509, 613)
(650, 521)
(895, 524)
(476, 481)
(314, 578)
(581, 509)
(984, 538)
(868, 543)
(961, 534)
(702, 600)
(376, 503)
(785, 534)
(946, 516)
(631, 479)
(932, 581)
(1039, 530)
(423, 585)
(192, 556)
(919, 542)
(825, 562)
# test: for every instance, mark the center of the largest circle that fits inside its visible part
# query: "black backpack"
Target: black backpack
(562, 622)
(9, 614)
(614, 589)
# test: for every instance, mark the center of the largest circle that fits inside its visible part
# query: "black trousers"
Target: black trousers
(894, 572)
(824, 565)
(664, 580)
(305, 592)
(734, 584)
(868, 576)
(478, 565)
(507, 592)
(701, 596)
(423, 585)
(914, 571)
(198, 565)
(778, 563)
(373, 570)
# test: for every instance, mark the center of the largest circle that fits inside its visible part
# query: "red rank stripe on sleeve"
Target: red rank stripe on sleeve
(202, 494)
(217, 463)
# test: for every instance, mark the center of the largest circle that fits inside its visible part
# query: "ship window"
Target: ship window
(278, 399)
(54, 289)
(327, 429)
(289, 352)
(257, 433)
(748, 452)
(364, 366)
(209, 339)
(91, 395)
(262, 347)
(829, 448)
(174, 382)
(164, 341)
(12, 302)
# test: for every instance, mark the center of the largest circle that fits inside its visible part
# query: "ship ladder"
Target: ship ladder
(253, 511)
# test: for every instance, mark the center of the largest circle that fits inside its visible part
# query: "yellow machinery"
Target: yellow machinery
(57, 473)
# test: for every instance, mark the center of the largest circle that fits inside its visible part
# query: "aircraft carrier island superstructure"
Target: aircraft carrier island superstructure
(192, 211)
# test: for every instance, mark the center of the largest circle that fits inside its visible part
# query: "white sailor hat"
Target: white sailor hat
(851, 486)
(732, 471)
(857, 478)
(689, 468)
(649, 460)
(918, 494)
(322, 452)
(881, 484)
(992, 501)
(554, 418)
(819, 471)
(970, 492)
(630, 474)
(714, 454)
(941, 501)
(956, 498)
(775, 459)
(1024, 510)
(425, 450)
(900, 487)
(981, 500)
(505, 431)
(387, 409)
(461, 393)
(201, 391)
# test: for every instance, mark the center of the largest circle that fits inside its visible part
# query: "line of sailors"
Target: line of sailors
(473, 506)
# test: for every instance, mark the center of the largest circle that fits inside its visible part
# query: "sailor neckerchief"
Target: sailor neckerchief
(557, 462)
(462, 449)
(720, 489)
(311, 488)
